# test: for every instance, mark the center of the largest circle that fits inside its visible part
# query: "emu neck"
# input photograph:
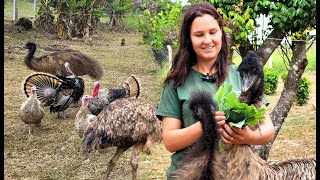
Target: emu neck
(29, 57)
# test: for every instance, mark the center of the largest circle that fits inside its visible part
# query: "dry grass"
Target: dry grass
(52, 151)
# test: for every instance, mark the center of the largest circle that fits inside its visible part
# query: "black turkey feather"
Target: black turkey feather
(103, 97)
(58, 93)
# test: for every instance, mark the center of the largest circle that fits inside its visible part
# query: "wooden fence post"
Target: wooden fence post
(169, 56)
(15, 11)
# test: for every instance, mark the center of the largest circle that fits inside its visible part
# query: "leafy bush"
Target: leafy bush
(162, 28)
(303, 91)
(271, 78)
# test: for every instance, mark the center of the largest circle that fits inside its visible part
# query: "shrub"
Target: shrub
(303, 91)
(162, 28)
(271, 77)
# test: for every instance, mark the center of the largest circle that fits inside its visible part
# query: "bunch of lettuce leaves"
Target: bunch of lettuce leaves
(237, 114)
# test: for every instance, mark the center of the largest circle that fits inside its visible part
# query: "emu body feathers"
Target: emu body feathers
(200, 162)
(236, 162)
(123, 123)
(53, 63)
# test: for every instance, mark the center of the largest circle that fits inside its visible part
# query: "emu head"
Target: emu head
(251, 72)
(30, 45)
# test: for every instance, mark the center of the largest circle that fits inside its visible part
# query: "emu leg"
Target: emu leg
(135, 158)
(115, 159)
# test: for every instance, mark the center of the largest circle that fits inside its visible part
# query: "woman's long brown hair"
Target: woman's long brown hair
(185, 57)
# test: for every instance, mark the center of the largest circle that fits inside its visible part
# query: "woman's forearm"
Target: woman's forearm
(265, 132)
(176, 139)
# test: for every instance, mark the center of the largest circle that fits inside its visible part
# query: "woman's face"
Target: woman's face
(206, 37)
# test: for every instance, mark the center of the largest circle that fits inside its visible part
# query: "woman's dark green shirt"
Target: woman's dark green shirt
(174, 102)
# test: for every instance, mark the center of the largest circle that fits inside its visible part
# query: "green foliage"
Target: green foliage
(240, 19)
(283, 75)
(163, 28)
(297, 16)
(271, 78)
(130, 22)
(73, 16)
(303, 91)
(120, 6)
(237, 114)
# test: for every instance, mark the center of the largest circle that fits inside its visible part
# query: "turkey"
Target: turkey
(53, 63)
(83, 117)
(103, 97)
(123, 123)
(30, 111)
(56, 92)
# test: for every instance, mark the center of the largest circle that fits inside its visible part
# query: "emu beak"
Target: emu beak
(248, 81)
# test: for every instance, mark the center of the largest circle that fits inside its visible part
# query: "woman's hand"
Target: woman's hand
(261, 135)
(234, 135)
(220, 119)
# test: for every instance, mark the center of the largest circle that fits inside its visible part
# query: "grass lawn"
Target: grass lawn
(52, 151)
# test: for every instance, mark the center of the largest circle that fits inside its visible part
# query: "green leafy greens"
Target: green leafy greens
(237, 114)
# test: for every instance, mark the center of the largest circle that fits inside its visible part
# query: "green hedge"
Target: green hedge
(271, 78)
(303, 91)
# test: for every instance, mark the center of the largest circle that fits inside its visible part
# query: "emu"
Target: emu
(124, 123)
(238, 162)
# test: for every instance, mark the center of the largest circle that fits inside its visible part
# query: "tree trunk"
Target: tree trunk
(270, 44)
(280, 111)
(230, 42)
(87, 26)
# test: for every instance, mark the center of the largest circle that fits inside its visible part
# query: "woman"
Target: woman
(201, 62)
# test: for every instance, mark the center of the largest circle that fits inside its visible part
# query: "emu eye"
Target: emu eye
(255, 71)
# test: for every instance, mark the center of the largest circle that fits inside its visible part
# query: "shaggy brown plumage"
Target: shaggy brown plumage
(238, 162)
(242, 161)
(53, 63)
(24, 23)
(123, 123)
(200, 160)
(103, 97)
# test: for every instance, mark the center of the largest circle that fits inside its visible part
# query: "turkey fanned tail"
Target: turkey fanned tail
(55, 92)
(132, 87)
(46, 84)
